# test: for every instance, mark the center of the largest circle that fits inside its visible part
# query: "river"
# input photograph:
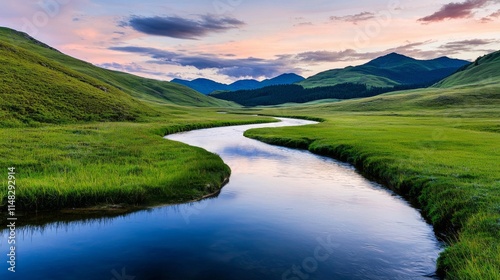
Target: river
(285, 214)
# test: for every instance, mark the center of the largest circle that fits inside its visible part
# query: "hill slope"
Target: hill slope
(207, 86)
(389, 70)
(485, 70)
(34, 89)
(145, 89)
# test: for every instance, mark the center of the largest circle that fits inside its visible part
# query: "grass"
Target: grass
(484, 70)
(82, 165)
(26, 61)
(35, 90)
(439, 148)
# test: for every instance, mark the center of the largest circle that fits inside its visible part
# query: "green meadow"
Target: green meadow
(84, 165)
(439, 148)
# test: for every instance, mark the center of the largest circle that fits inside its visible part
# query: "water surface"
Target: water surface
(286, 214)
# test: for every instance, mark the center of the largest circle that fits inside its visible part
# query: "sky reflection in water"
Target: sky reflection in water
(280, 206)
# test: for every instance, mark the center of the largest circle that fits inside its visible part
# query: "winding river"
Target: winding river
(285, 214)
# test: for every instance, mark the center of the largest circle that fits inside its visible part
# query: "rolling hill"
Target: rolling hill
(389, 70)
(485, 70)
(207, 86)
(35, 89)
(41, 84)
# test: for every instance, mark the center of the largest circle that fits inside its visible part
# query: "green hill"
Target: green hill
(387, 71)
(42, 85)
(485, 70)
(35, 89)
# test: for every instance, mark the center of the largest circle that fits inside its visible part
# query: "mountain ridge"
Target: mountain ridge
(389, 70)
(207, 86)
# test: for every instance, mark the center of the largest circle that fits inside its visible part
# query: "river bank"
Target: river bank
(433, 164)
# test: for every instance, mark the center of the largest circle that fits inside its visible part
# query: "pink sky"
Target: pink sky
(226, 40)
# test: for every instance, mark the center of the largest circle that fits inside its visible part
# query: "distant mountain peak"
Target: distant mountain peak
(389, 70)
(389, 60)
(207, 86)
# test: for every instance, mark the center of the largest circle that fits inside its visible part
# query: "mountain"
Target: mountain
(41, 85)
(389, 70)
(484, 71)
(207, 86)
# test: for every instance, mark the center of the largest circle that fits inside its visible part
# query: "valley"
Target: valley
(81, 137)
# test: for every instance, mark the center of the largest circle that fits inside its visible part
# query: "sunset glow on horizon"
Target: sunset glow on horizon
(227, 40)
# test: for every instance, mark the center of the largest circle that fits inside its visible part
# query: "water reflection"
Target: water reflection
(280, 206)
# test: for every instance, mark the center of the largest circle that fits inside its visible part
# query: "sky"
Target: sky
(228, 40)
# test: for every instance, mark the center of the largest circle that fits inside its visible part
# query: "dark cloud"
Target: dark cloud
(233, 67)
(455, 10)
(182, 28)
(364, 16)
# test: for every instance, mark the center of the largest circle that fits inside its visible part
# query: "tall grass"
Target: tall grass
(113, 163)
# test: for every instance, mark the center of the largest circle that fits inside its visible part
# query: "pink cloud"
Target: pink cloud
(455, 10)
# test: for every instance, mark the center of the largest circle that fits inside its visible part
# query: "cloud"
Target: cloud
(229, 66)
(352, 55)
(130, 68)
(458, 47)
(415, 49)
(455, 10)
(491, 17)
(364, 16)
(329, 56)
(182, 28)
(258, 67)
(307, 23)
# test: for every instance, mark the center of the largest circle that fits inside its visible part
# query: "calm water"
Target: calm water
(286, 214)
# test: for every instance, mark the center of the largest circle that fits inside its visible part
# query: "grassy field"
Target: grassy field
(440, 148)
(80, 165)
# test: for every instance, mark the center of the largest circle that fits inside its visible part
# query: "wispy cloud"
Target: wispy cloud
(232, 67)
(415, 49)
(129, 67)
(455, 11)
(491, 17)
(364, 16)
(182, 28)
(465, 45)
(352, 55)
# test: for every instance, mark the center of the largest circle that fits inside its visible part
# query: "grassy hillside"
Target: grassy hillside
(141, 88)
(386, 71)
(437, 147)
(34, 89)
(483, 71)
